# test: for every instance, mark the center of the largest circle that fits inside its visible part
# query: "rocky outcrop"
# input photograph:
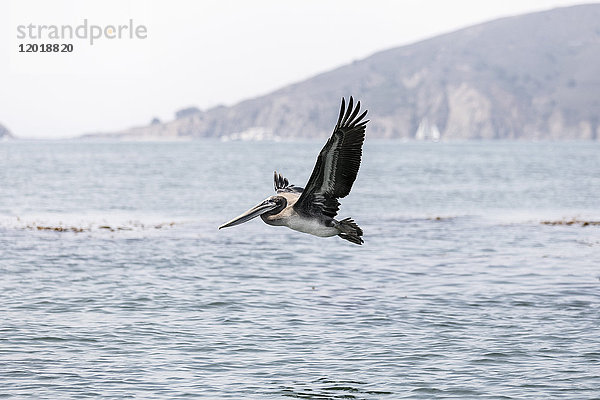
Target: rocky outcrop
(5, 133)
(533, 76)
(186, 112)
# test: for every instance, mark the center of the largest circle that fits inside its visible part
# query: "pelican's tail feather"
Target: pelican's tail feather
(350, 231)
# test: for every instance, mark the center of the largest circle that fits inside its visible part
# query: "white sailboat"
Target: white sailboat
(427, 131)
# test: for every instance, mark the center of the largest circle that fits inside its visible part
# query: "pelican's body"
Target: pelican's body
(293, 220)
(312, 210)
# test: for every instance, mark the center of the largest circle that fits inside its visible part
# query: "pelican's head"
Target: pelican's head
(271, 205)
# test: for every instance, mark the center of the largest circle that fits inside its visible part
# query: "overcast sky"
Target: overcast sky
(200, 53)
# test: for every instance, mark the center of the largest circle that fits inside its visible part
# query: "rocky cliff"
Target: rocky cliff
(533, 76)
(5, 133)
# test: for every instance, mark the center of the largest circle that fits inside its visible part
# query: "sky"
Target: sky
(195, 53)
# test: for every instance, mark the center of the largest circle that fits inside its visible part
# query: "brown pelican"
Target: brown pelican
(312, 210)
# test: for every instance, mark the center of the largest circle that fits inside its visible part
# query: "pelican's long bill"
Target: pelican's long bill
(254, 212)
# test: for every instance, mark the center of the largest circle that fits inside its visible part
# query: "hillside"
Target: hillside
(5, 133)
(534, 76)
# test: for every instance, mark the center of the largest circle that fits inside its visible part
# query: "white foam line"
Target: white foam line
(88, 223)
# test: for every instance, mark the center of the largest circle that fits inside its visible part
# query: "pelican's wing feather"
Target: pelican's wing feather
(283, 185)
(337, 164)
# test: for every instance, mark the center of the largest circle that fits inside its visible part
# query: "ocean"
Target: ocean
(479, 276)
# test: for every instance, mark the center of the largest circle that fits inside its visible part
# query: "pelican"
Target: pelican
(312, 209)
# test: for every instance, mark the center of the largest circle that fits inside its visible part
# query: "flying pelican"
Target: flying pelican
(312, 210)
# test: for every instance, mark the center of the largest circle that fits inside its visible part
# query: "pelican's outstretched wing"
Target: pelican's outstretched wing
(337, 164)
(283, 185)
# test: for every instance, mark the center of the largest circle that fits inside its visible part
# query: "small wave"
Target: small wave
(325, 388)
(440, 218)
(407, 218)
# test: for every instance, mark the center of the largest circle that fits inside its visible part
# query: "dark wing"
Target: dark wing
(283, 185)
(337, 164)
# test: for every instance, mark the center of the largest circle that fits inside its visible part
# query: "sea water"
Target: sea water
(479, 276)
